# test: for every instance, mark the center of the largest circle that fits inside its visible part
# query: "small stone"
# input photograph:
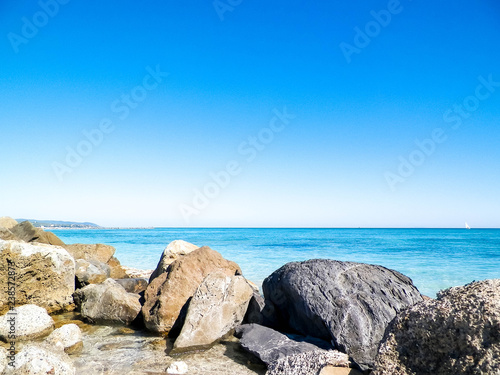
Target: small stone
(178, 368)
(69, 337)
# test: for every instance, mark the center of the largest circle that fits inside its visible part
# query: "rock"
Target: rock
(37, 360)
(308, 363)
(349, 303)
(68, 337)
(4, 360)
(90, 272)
(135, 273)
(137, 285)
(7, 235)
(169, 293)
(7, 222)
(178, 368)
(44, 275)
(99, 252)
(108, 302)
(458, 333)
(117, 270)
(26, 322)
(332, 370)
(270, 346)
(217, 307)
(255, 308)
(172, 252)
(28, 233)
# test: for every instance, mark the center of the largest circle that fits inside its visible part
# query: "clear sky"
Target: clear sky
(283, 113)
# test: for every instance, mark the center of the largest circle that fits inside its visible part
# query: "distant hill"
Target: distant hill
(59, 224)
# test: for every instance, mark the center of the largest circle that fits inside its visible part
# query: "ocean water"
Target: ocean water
(434, 259)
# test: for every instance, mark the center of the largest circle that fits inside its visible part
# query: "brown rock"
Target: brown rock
(7, 222)
(43, 275)
(169, 293)
(7, 235)
(28, 233)
(117, 270)
(135, 285)
(99, 252)
(331, 370)
(175, 250)
(457, 333)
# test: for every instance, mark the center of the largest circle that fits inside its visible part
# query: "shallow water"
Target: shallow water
(434, 258)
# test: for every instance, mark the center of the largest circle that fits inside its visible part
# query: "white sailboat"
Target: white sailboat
(467, 226)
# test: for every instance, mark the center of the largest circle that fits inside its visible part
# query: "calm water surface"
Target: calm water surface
(434, 258)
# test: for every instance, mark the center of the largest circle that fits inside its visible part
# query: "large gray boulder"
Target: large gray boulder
(458, 333)
(28, 233)
(172, 252)
(26, 322)
(217, 307)
(108, 302)
(348, 303)
(135, 285)
(44, 275)
(284, 355)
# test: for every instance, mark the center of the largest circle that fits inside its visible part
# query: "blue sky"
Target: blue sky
(345, 154)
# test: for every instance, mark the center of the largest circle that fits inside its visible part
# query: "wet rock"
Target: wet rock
(90, 272)
(101, 253)
(28, 233)
(169, 293)
(108, 302)
(68, 337)
(349, 303)
(217, 307)
(25, 322)
(136, 285)
(172, 252)
(44, 275)
(458, 333)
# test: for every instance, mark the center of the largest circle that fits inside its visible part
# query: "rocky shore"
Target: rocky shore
(74, 309)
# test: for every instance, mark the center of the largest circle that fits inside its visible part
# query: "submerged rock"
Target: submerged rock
(26, 322)
(168, 294)
(68, 337)
(458, 333)
(100, 252)
(28, 233)
(217, 307)
(349, 303)
(38, 360)
(172, 252)
(108, 302)
(44, 275)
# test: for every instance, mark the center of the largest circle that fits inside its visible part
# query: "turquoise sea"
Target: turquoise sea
(434, 258)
